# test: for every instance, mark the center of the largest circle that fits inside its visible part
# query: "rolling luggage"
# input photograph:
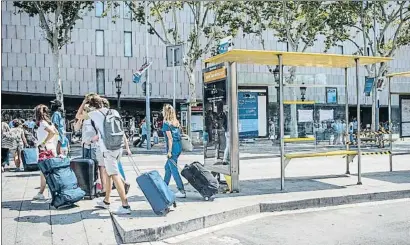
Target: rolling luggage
(158, 194)
(86, 171)
(201, 179)
(30, 159)
(61, 181)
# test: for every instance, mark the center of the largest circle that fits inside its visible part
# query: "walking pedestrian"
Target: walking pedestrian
(47, 138)
(110, 133)
(89, 142)
(7, 142)
(106, 104)
(144, 131)
(226, 152)
(171, 129)
(20, 142)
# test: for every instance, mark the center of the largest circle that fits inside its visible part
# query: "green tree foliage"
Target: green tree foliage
(57, 19)
(297, 23)
(199, 38)
(389, 20)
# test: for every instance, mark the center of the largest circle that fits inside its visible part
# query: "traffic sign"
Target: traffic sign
(175, 55)
(225, 45)
(136, 77)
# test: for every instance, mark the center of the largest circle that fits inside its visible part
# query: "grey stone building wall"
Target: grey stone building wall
(27, 61)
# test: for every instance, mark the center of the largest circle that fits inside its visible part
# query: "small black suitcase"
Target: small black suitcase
(201, 179)
(85, 170)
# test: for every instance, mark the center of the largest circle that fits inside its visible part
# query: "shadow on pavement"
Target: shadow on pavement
(140, 214)
(25, 205)
(31, 174)
(62, 219)
(397, 177)
(257, 187)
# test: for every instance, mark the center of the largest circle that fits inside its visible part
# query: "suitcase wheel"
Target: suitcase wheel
(163, 213)
(210, 199)
(174, 204)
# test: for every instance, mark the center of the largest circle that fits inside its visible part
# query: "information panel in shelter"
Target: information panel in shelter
(404, 116)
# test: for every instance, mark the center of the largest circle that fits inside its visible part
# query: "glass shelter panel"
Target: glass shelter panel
(216, 119)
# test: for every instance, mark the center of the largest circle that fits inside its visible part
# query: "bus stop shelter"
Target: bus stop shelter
(233, 57)
(390, 94)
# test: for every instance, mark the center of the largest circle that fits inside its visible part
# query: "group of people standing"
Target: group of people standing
(91, 118)
(19, 134)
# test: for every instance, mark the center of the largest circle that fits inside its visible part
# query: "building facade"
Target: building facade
(102, 49)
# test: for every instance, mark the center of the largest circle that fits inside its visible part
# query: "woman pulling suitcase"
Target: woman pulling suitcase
(172, 134)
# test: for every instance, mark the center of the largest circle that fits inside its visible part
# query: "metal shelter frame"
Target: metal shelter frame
(282, 58)
(389, 77)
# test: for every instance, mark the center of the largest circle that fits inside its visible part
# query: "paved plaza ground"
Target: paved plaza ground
(310, 182)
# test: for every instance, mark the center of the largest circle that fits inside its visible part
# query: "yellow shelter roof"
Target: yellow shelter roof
(262, 57)
(399, 74)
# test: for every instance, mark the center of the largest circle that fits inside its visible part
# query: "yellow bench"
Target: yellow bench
(289, 140)
(291, 156)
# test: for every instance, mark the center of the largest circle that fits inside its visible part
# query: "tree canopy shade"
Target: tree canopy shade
(57, 19)
(296, 23)
(198, 39)
(383, 27)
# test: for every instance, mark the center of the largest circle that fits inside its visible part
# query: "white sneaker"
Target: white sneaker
(101, 203)
(39, 196)
(122, 210)
(180, 194)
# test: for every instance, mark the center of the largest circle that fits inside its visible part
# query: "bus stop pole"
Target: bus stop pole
(359, 150)
(281, 125)
(233, 129)
(347, 121)
(390, 126)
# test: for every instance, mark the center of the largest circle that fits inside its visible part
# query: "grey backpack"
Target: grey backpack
(113, 131)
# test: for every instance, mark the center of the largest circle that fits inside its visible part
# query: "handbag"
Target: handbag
(45, 154)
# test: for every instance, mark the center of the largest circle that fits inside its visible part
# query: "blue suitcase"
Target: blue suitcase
(61, 181)
(158, 194)
(30, 159)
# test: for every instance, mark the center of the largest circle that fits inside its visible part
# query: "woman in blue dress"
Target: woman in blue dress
(172, 134)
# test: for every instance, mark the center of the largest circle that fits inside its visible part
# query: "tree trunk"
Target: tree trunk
(192, 96)
(58, 86)
(293, 112)
(192, 85)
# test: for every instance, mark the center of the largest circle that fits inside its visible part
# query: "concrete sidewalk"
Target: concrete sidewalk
(309, 183)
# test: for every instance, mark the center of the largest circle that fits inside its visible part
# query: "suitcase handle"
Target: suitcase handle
(136, 169)
(173, 162)
(84, 150)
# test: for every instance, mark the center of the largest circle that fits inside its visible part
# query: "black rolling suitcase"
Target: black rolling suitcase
(201, 179)
(85, 170)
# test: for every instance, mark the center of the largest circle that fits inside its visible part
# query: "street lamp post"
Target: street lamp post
(277, 80)
(118, 85)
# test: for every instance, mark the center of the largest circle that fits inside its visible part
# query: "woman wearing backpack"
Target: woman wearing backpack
(172, 134)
